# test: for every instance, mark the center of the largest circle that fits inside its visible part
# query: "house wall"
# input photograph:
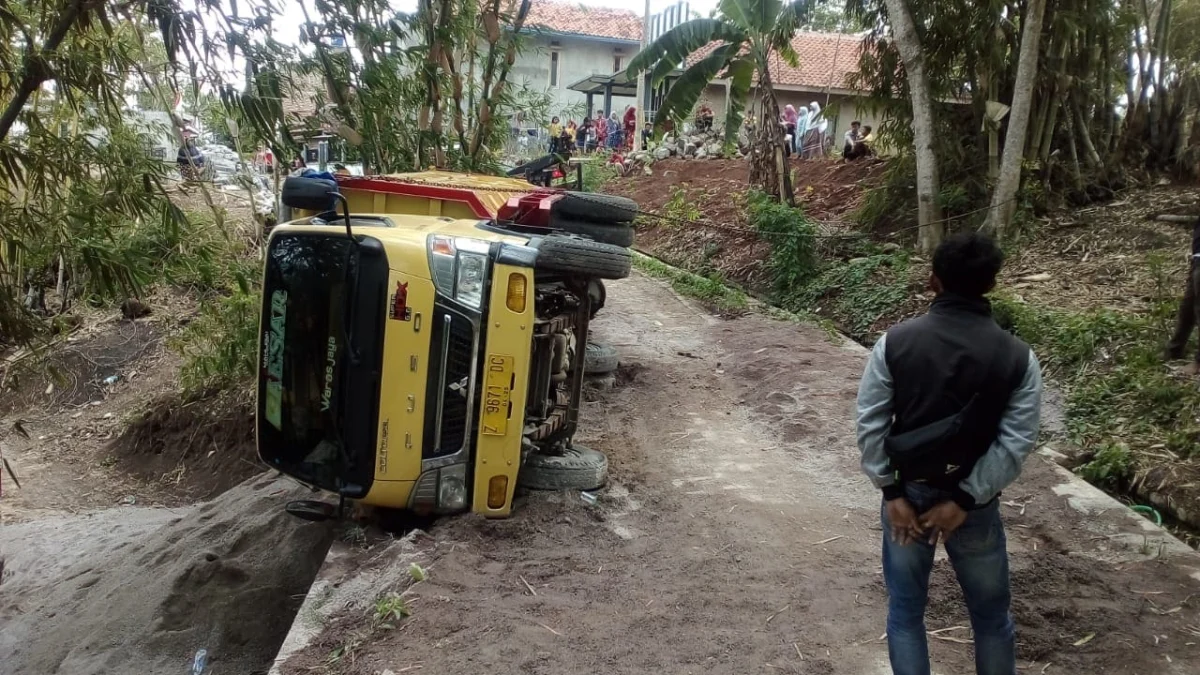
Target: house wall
(840, 110)
(577, 59)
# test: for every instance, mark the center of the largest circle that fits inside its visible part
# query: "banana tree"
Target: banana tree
(734, 44)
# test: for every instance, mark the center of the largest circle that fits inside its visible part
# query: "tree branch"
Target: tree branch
(36, 70)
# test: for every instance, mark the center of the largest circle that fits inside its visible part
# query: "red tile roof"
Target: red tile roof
(826, 60)
(576, 19)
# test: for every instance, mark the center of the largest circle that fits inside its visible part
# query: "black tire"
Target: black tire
(578, 468)
(597, 208)
(617, 234)
(583, 257)
(599, 359)
(598, 295)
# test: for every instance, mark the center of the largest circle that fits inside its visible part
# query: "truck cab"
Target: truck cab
(419, 361)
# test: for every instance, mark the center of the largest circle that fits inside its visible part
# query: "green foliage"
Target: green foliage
(389, 608)
(1111, 365)
(1111, 466)
(220, 345)
(856, 291)
(711, 289)
(860, 291)
(680, 208)
(792, 237)
(597, 173)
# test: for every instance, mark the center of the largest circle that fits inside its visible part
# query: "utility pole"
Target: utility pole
(640, 118)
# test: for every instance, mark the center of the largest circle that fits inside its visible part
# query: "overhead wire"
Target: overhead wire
(710, 224)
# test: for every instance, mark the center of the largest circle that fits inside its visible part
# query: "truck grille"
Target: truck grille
(456, 408)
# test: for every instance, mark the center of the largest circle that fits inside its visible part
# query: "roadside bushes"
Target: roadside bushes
(1110, 364)
(853, 284)
(220, 345)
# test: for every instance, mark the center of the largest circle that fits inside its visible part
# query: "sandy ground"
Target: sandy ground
(737, 536)
(139, 590)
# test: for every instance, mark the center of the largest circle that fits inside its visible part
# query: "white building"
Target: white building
(568, 43)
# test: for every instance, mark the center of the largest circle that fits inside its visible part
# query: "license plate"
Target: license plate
(497, 390)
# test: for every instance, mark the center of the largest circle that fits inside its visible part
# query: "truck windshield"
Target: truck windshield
(303, 356)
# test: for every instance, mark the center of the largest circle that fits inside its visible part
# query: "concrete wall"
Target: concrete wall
(577, 58)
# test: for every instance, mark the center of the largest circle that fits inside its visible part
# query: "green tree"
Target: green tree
(736, 43)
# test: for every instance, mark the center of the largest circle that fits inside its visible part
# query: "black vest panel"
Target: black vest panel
(940, 361)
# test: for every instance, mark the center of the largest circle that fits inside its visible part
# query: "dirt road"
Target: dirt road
(737, 536)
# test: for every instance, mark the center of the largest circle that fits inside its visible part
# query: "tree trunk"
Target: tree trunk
(929, 212)
(1073, 154)
(1085, 137)
(1156, 103)
(999, 218)
(768, 166)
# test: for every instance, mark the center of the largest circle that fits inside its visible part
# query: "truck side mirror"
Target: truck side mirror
(310, 194)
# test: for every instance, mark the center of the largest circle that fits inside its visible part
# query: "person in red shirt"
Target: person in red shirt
(630, 126)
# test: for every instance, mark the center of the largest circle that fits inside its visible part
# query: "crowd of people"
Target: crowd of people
(806, 132)
(613, 132)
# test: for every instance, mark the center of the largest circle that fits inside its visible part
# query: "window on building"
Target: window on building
(616, 63)
(553, 69)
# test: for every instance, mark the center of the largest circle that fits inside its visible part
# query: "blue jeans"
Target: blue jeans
(978, 552)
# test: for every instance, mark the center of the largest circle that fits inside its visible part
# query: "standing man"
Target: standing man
(948, 409)
(1189, 308)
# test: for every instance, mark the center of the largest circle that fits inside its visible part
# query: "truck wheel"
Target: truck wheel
(578, 468)
(598, 295)
(584, 257)
(598, 208)
(617, 234)
(599, 359)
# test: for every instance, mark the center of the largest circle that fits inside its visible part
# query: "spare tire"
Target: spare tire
(578, 468)
(599, 359)
(583, 257)
(617, 234)
(594, 207)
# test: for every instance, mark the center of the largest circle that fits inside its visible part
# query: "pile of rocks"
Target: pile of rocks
(223, 160)
(688, 145)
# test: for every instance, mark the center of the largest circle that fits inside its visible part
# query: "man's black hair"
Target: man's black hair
(868, 127)
(855, 122)
(967, 263)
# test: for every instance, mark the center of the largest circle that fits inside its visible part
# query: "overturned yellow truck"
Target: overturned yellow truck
(423, 337)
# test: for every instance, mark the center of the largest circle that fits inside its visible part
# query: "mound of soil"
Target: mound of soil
(195, 448)
(134, 590)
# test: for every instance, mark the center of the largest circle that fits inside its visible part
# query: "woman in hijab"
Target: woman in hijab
(801, 129)
(601, 129)
(614, 132)
(789, 126)
(814, 141)
(630, 126)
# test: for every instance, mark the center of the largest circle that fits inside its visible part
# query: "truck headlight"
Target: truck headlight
(452, 488)
(470, 279)
(460, 268)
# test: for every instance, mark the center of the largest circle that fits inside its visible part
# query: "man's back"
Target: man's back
(948, 411)
(944, 360)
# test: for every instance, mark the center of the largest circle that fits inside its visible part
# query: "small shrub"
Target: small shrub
(220, 347)
(1111, 466)
(389, 608)
(680, 208)
(792, 238)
